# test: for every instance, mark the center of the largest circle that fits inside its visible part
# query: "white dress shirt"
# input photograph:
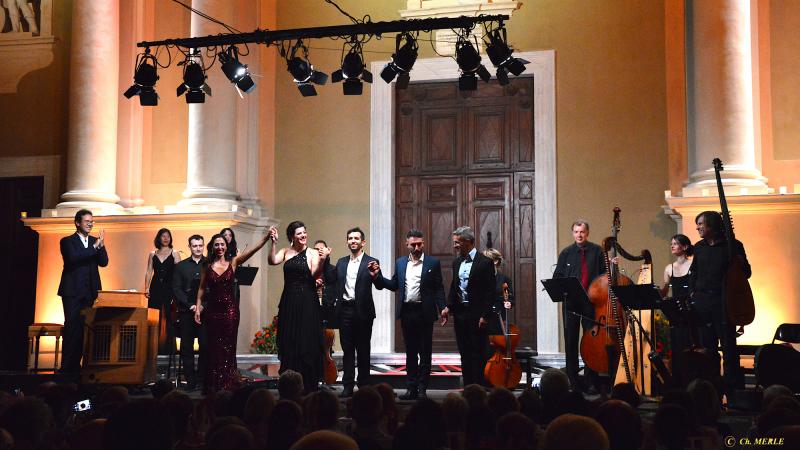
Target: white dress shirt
(463, 274)
(414, 279)
(84, 240)
(350, 281)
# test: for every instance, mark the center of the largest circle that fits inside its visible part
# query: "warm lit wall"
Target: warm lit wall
(611, 132)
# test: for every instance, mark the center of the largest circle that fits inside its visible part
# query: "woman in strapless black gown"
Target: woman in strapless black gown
(220, 312)
(300, 341)
(676, 279)
(158, 284)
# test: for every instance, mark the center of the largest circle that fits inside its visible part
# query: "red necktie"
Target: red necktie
(584, 269)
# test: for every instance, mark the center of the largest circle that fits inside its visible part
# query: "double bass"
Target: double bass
(601, 346)
(329, 370)
(503, 369)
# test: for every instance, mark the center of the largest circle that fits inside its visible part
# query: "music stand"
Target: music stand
(245, 275)
(638, 296)
(567, 290)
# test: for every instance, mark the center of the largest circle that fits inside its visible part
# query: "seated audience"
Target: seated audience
(321, 411)
(621, 423)
(573, 432)
(284, 425)
(366, 412)
(327, 440)
(515, 431)
(290, 386)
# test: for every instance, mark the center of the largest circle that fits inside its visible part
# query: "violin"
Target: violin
(329, 370)
(503, 369)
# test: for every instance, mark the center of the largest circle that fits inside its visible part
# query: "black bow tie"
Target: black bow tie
(468, 259)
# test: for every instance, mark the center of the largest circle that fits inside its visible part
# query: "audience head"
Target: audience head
(321, 411)
(258, 407)
(161, 388)
(367, 407)
(424, 427)
(454, 408)
(621, 423)
(28, 421)
(179, 407)
(389, 414)
(672, 426)
(530, 404)
(290, 386)
(137, 425)
(88, 436)
(284, 425)
(6, 441)
(573, 432)
(705, 400)
(111, 399)
(163, 239)
(475, 395)
(501, 401)
(325, 439)
(627, 393)
(778, 415)
(516, 432)
(230, 437)
(554, 385)
(773, 392)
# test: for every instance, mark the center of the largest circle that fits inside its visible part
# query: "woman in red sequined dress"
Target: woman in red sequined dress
(220, 312)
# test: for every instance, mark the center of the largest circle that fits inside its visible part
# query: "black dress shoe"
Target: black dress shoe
(409, 395)
(347, 392)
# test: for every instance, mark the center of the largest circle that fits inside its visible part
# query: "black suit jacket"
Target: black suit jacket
(186, 282)
(431, 289)
(480, 287)
(569, 265)
(81, 277)
(365, 307)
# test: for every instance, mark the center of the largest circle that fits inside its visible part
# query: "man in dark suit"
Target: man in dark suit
(472, 294)
(419, 301)
(185, 284)
(80, 281)
(582, 260)
(355, 309)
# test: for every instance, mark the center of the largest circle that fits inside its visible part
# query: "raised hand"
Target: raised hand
(101, 240)
(373, 268)
(273, 234)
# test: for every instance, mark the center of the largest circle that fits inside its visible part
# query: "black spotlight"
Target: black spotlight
(144, 80)
(353, 71)
(469, 61)
(235, 71)
(305, 77)
(403, 60)
(194, 79)
(500, 54)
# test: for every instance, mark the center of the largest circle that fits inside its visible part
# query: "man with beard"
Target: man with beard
(185, 283)
(355, 310)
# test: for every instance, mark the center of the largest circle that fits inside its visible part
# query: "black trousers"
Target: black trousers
(572, 326)
(188, 330)
(74, 324)
(714, 329)
(355, 335)
(473, 343)
(418, 338)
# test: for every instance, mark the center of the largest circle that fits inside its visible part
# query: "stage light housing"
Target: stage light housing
(353, 71)
(303, 73)
(194, 79)
(236, 72)
(501, 56)
(469, 62)
(144, 80)
(403, 60)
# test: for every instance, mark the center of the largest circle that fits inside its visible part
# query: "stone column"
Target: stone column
(94, 96)
(211, 168)
(720, 96)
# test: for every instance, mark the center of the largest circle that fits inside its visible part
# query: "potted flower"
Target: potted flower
(265, 341)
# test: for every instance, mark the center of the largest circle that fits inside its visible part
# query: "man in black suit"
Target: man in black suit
(355, 309)
(472, 294)
(582, 260)
(419, 301)
(185, 284)
(80, 281)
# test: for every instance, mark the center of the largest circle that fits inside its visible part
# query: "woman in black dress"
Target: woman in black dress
(300, 343)
(158, 283)
(676, 280)
(501, 304)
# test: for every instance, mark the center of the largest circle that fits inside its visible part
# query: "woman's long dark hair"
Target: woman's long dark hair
(157, 240)
(233, 249)
(682, 239)
(210, 249)
(292, 228)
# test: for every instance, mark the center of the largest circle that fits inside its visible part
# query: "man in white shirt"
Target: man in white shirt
(355, 310)
(417, 280)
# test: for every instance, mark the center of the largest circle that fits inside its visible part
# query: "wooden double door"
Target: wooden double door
(468, 159)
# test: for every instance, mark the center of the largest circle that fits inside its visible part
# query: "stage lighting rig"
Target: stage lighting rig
(469, 61)
(501, 55)
(144, 79)
(403, 60)
(353, 70)
(235, 71)
(305, 77)
(194, 78)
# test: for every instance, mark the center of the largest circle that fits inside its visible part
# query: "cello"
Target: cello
(329, 370)
(503, 369)
(601, 346)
